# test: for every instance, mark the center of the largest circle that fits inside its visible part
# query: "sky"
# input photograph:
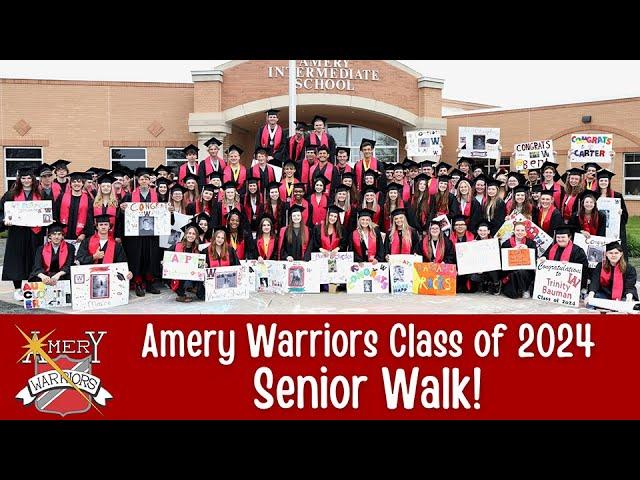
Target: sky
(504, 83)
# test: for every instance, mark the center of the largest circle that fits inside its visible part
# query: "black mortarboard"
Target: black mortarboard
(549, 164)
(143, 171)
(202, 216)
(367, 189)
(234, 211)
(397, 166)
(212, 141)
(575, 171)
(301, 125)
(465, 159)
(518, 176)
(311, 148)
(272, 111)
(614, 245)
(521, 189)
(219, 228)
(162, 168)
(102, 218)
(55, 227)
(427, 163)
(591, 164)
(77, 176)
(394, 186)
(60, 164)
(342, 188)
(118, 173)
(343, 149)
(441, 165)
(91, 170)
(604, 173)
(260, 150)
(252, 180)
(208, 187)
(45, 167)
(213, 175)
(229, 184)
(434, 222)
(296, 208)
(319, 117)
(192, 225)
(421, 176)
(589, 193)
(365, 212)
(350, 175)
(456, 173)
(334, 209)
(567, 229)
(190, 148)
(106, 179)
(484, 223)
(408, 163)
(493, 182)
(536, 188)
(443, 178)
(492, 141)
(236, 148)
(289, 162)
(536, 170)
(25, 172)
(159, 181)
(457, 218)
(320, 178)
(178, 187)
(372, 173)
(367, 141)
(547, 192)
(481, 177)
(399, 211)
(190, 176)
(299, 185)
(273, 185)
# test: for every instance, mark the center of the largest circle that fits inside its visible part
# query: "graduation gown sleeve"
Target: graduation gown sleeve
(449, 251)
(475, 216)
(83, 255)
(630, 278)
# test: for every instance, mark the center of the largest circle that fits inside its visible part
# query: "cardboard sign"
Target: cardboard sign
(99, 286)
(368, 278)
(434, 279)
(38, 213)
(302, 277)
(542, 240)
(594, 247)
(611, 207)
(401, 272)
(518, 259)
(333, 269)
(184, 266)
(531, 155)
(478, 256)
(266, 277)
(179, 221)
(39, 295)
(475, 142)
(591, 147)
(226, 283)
(615, 305)
(421, 143)
(558, 282)
(147, 220)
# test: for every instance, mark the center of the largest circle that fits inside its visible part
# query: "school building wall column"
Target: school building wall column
(207, 120)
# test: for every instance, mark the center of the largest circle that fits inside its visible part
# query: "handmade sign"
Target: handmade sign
(434, 279)
(594, 247)
(147, 220)
(478, 257)
(179, 221)
(475, 142)
(333, 269)
(424, 143)
(38, 213)
(266, 277)
(226, 283)
(302, 277)
(368, 278)
(445, 224)
(518, 258)
(591, 147)
(542, 240)
(558, 282)
(39, 295)
(184, 266)
(615, 305)
(401, 268)
(531, 155)
(99, 286)
(612, 208)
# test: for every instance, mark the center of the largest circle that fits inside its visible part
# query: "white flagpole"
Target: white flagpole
(292, 97)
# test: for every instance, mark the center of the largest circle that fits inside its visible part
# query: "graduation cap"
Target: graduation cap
(106, 179)
(213, 175)
(178, 188)
(492, 182)
(408, 163)
(588, 165)
(272, 111)
(190, 148)
(290, 162)
(118, 173)
(202, 216)
(334, 209)
(61, 164)
(397, 166)
(443, 178)
(394, 186)
(518, 176)
(482, 177)
(252, 180)
(273, 185)
(399, 211)
(208, 187)
(143, 171)
(343, 188)
(372, 173)
(367, 189)
(536, 188)
(55, 227)
(77, 176)
(350, 175)
(220, 228)
(162, 168)
(192, 225)
(91, 170)
(311, 148)
(320, 178)
(229, 184)
(234, 148)
(301, 125)
(616, 245)
(25, 172)
(457, 173)
(45, 167)
(234, 211)
(589, 193)
(160, 181)
(465, 159)
(296, 208)
(260, 150)
(434, 222)
(212, 141)
(521, 189)
(427, 163)
(190, 176)
(421, 176)
(344, 149)
(575, 171)
(365, 212)
(484, 224)
(442, 165)
(536, 170)
(102, 218)
(549, 164)
(299, 185)
(567, 229)
(319, 117)
(492, 141)
(604, 173)
(548, 192)
(458, 218)
(367, 141)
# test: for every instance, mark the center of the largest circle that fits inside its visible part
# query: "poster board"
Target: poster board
(434, 279)
(176, 234)
(368, 278)
(302, 277)
(594, 247)
(226, 283)
(531, 155)
(38, 295)
(591, 147)
(401, 272)
(266, 277)
(558, 282)
(37, 213)
(614, 305)
(421, 143)
(477, 142)
(518, 259)
(147, 219)
(542, 240)
(99, 286)
(184, 266)
(333, 269)
(611, 208)
(478, 256)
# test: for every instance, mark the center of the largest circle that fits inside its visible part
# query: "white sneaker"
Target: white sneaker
(17, 295)
(526, 295)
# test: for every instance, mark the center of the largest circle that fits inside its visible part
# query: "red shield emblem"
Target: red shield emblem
(65, 399)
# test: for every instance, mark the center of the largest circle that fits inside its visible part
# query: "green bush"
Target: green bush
(4, 234)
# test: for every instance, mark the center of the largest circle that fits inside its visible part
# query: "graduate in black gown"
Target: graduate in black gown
(401, 239)
(295, 239)
(461, 234)
(53, 260)
(22, 242)
(319, 136)
(435, 247)
(604, 187)
(613, 278)
(101, 247)
(74, 209)
(366, 241)
(518, 283)
(564, 250)
(271, 137)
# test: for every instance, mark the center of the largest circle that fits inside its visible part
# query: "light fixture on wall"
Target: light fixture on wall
(586, 119)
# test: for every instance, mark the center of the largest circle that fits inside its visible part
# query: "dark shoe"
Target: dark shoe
(183, 299)
(497, 287)
(139, 290)
(152, 289)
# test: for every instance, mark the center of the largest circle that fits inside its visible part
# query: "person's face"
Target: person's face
(369, 180)
(103, 227)
(342, 157)
(333, 218)
(398, 175)
(233, 157)
(428, 170)
(443, 186)
(146, 224)
(299, 132)
(548, 175)
(76, 185)
(266, 227)
(163, 174)
(234, 222)
(422, 186)
(589, 204)
(574, 180)
(533, 176)
(274, 194)
(591, 173)
(296, 217)
(348, 181)
(562, 239)
(364, 221)
(262, 159)
(191, 235)
(220, 238)
(190, 184)
(203, 224)
(369, 197)
(535, 196)
(318, 126)
(502, 178)
(192, 157)
(252, 187)
(434, 230)
(341, 196)
(389, 175)
(393, 195)
(298, 192)
(311, 156)
(143, 181)
(399, 221)
(367, 151)
(464, 188)
(88, 184)
(454, 181)
(27, 181)
(480, 187)
(61, 173)
(319, 187)
(464, 167)
(213, 150)
(207, 195)
(520, 197)
(56, 237)
(216, 182)
(603, 182)
(614, 256)
(483, 232)
(46, 178)
(477, 172)
(546, 200)
(323, 156)
(442, 171)
(152, 179)
(492, 191)
(118, 183)
(460, 227)
(272, 119)
(230, 194)
(520, 232)
(289, 170)
(512, 182)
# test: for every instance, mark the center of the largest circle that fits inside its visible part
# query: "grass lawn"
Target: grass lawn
(633, 240)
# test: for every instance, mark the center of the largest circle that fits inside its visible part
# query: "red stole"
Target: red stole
(305, 212)
(304, 175)
(514, 243)
(261, 251)
(328, 174)
(283, 190)
(466, 211)
(396, 248)
(224, 211)
(324, 140)
(593, 186)
(83, 210)
(94, 246)
(347, 217)
(426, 247)
(556, 195)
(329, 242)
(239, 248)
(618, 282)
(255, 173)
(357, 244)
(406, 192)
(47, 254)
(277, 138)
(183, 170)
(56, 190)
(546, 224)
(206, 209)
(221, 261)
(468, 236)
(319, 208)
(34, 197)
(227, 176)
(590, 225)
(208, 167)
(135, 195)
(432, 186)
(111, 210)
(565, 254)
(373, 165)
(376, 214)
(248, 208)
(567, 209)
(283, 234)
(299, 146)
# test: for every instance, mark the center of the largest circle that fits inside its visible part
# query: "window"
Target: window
(632, 174)
(505, 162)
(19, 157)
(386, 149)
(174, 157)
(128, 157)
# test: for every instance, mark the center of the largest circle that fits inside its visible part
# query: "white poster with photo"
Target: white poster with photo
(38, 295)
(179, 221)
(147, 219)
(266, 277)
(594, 247)
(368, 278)
(542, 240)
(99, 286)
(226, 283)
(558, 282)
(401, 272)
(302, 277)
(184, 266)
(476, 142)
(518, 258)
(615, 305)
(445, 224)
(531, 155)
(421, 143)
(38, 213)
(591, 147)
(478, 256)
(612, 209)
(333, 269)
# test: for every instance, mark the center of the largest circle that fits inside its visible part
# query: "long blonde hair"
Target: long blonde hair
(112, 202)
(224, 251)
(406, 229)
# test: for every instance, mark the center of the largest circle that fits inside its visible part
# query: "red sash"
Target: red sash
(324, 140)
(83, 210)
(568, 207)
(426, 247)
(513, 242)
(396, 248)
(208, 167)
(565, 254)
(305, 212)
(135, 196)
(593, 186)
(406, 192)
(224, 211)
(328, 174)
(183, 170)
(277, 138)
(304, 175)
(34, 197)
(221, 261)
(373, 165)
(206, 209)
(467, 235)
(299, 146)
(111, 210)
(47, 254)
(271, 175)
(546, 224)
(376, 214)
(248, 208)
(283, 190)
(590, 225)
(319, 209)
(432, 186)
(466, 211)
(357, 244)
(347, 217)
(56, 190)
(284, 234)
(261, 252)
(239, 248)
(329, 242)
(227, 176)
(94, 246)
(618, 282)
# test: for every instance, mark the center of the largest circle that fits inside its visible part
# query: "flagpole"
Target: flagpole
(292, 97)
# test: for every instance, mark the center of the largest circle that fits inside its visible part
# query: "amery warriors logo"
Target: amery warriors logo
(63, 385)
